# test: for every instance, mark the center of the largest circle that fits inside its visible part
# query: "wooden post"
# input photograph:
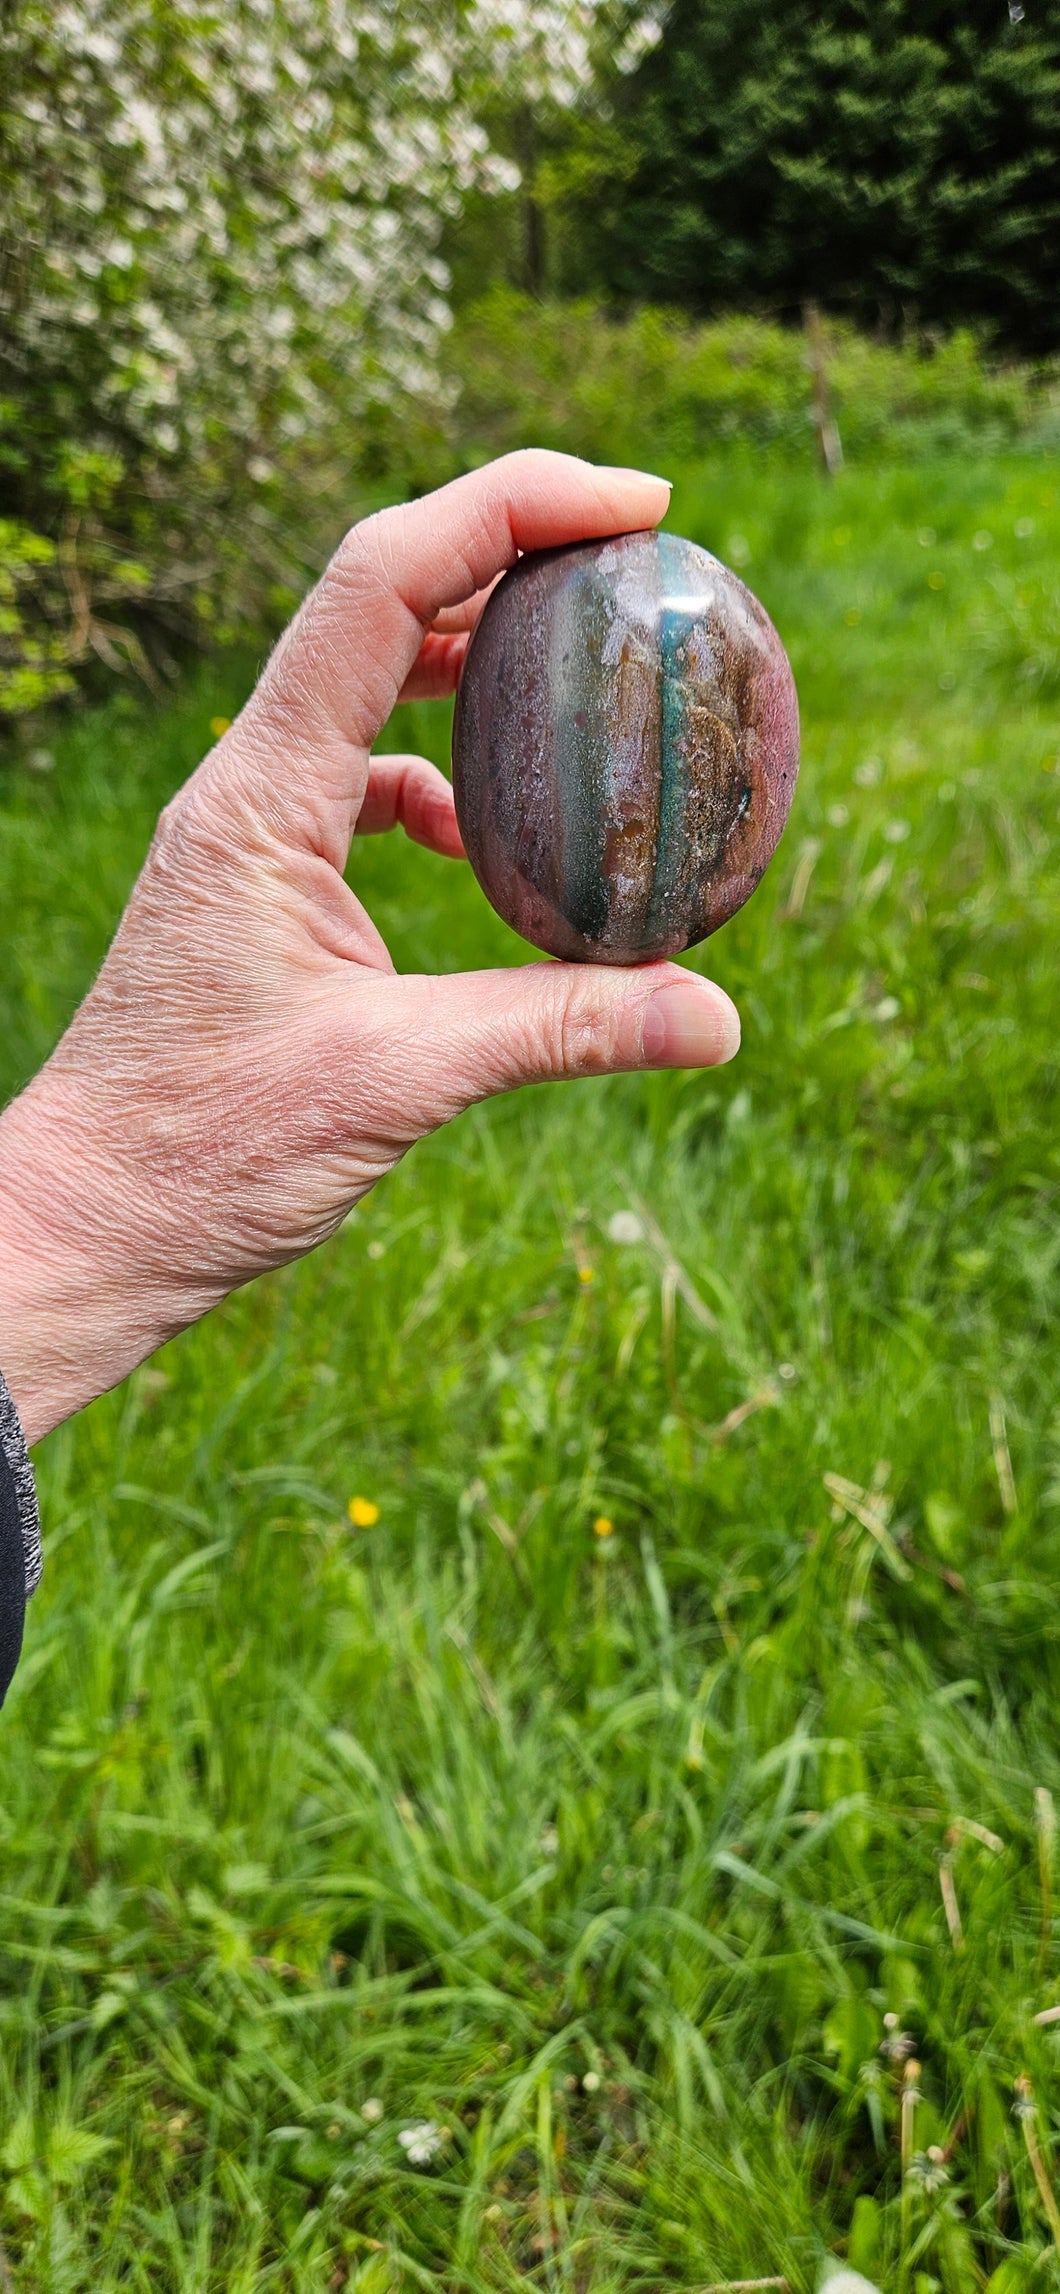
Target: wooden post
(829, 443)
(534, 250)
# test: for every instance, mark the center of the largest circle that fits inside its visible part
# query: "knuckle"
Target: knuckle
(370, 554)
(365, 544)
(193, 846)
(531, 462)
(584, 1032)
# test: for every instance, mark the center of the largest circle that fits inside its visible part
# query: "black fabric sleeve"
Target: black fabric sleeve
(12, 1575)
(20, 1548)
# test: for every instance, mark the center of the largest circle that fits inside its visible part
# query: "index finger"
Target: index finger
(336, 675)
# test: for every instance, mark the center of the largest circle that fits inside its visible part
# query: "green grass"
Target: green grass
(610, 1856)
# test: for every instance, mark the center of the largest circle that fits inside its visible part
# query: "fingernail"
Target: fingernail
(687, 1024)
(649, 477)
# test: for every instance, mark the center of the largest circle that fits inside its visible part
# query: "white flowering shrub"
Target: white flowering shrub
(218, 235)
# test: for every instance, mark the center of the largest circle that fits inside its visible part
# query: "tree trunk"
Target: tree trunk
(534, 249)
(829, 443)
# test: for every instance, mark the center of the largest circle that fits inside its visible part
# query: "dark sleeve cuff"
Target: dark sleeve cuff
(20, 1546)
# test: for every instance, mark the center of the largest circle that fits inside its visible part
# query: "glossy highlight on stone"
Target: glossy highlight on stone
(625, 749)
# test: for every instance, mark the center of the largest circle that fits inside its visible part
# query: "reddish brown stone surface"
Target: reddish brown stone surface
(626, 747)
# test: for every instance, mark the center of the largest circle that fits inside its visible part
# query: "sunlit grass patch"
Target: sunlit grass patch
(510, 1771)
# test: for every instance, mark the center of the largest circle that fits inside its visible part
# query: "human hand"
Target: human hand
(248, 1062)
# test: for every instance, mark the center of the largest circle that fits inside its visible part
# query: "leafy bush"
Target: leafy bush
(34, 660)
(219, 273)
(571, 376)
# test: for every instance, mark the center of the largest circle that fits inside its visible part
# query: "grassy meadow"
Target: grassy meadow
(686, 1894)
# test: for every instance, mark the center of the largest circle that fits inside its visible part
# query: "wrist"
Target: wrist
(77, 1311)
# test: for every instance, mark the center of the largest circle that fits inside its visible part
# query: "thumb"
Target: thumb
(465, 1036)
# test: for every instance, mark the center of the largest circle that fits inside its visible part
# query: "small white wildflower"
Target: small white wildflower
(590, 2081)
(982, 540)
(372, 2111)
(625, 1227)
(549, 1841)
(422, 2143)
(869, 773)
(838, 815)
(896, 832)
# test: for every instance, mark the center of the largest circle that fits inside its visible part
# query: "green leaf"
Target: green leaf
(69, 2150)
(864, 2246)
(20, 2148)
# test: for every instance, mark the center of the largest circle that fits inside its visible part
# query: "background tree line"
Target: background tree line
(233, 241)
(897, 160)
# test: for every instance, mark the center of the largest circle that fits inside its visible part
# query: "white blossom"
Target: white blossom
(421, 2143)
(220, 231)
(267, 182)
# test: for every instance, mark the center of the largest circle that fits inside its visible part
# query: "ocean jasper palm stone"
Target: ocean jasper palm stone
(625, 749)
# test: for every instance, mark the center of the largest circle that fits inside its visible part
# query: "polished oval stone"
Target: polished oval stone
(625, 748)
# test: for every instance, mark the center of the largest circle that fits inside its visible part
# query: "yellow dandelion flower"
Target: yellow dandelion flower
(219, 725)
(585, 1274)
(603, 1526)
(363, 1512)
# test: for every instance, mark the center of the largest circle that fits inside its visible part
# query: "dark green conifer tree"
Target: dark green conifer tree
(896, 159)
